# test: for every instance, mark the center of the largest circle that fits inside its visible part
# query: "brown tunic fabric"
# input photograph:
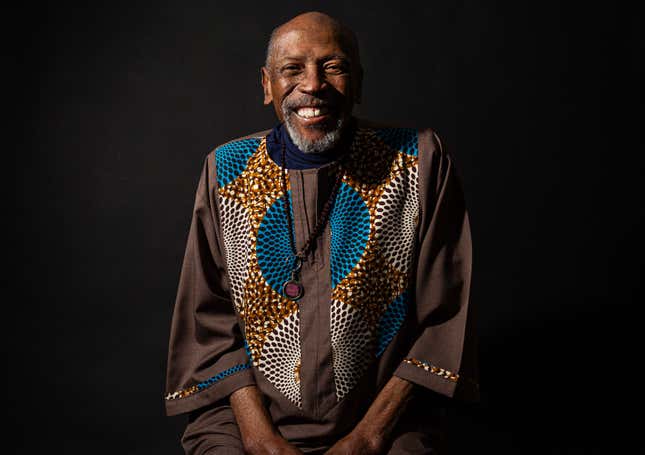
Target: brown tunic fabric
(386, 289)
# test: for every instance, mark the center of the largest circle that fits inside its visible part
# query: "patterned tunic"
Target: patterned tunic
(386, 286)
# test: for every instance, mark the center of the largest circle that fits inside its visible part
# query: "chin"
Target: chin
(327, 136)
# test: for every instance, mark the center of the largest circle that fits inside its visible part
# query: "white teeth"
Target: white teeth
(309, 112)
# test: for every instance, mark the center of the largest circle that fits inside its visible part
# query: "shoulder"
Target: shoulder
(243, 142)
(228, 159)
(412, 141)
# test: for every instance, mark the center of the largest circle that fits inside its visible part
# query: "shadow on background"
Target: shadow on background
(119, 104)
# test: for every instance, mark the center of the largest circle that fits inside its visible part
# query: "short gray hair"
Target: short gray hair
(270, 46)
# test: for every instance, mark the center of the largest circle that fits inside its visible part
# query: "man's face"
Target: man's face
(312, 84)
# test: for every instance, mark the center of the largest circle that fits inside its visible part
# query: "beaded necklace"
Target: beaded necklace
(293, 288)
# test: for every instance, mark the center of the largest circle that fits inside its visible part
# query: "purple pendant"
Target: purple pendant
(293, 289)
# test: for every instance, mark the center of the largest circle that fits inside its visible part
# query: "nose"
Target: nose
(313, 80)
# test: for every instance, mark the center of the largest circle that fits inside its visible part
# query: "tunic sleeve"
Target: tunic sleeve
(442, 357)
(207, 359)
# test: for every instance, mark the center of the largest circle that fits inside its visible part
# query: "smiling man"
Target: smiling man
(313, 77)
(323, 299)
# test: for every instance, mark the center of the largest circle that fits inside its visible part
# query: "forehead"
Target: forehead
(310, 43)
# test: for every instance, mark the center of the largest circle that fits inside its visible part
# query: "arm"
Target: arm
(207, 360)
(372, 433)
(442, 357)
(259, 436)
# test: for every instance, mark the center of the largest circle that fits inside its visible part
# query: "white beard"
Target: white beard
(327, 142)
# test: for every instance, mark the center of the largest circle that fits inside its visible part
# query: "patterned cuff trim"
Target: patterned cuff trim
(183, 393)
(429, 367)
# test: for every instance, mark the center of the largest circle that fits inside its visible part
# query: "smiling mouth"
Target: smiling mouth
(310, 113)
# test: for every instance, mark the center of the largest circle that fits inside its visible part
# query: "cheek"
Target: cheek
(342, 86)
(284, 89)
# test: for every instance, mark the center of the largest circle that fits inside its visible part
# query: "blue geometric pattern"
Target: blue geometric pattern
(350, 229)
(273, 248)
(231, 159)
(403, 139)
(209, 382)
(390, 322)
(247, 349)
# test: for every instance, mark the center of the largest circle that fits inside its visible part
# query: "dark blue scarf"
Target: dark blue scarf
(296, 158)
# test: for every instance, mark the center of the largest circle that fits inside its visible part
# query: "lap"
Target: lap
(212, 431)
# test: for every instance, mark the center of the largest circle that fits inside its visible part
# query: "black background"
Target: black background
(119, 103)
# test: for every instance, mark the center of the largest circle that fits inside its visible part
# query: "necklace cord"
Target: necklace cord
(322, 220)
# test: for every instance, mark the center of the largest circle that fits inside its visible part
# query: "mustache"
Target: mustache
(304, 101)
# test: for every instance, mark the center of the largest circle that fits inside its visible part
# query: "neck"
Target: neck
(296, 158)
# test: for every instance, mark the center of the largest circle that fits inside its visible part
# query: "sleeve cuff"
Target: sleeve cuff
(428, 375)
(221, 380)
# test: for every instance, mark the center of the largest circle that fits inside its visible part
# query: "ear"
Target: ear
(358, 86)
(266, 85)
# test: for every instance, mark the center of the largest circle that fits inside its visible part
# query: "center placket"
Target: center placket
(310, 189)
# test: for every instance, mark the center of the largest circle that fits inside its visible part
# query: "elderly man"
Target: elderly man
(327, 272)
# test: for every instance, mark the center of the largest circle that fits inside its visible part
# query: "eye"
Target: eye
(336, 68)
(290, 69)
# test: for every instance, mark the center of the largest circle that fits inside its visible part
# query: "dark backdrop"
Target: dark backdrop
(119, 104)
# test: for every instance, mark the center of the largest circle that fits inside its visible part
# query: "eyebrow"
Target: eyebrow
(324, 59)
